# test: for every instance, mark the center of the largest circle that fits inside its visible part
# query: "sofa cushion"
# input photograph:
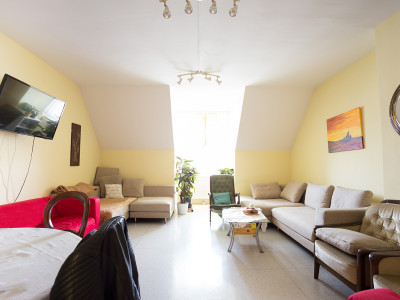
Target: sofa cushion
(113, 179)
(350, 198)
(318, 196)
(133, 187)
(267, 205)
(391, 283)
(151, 204)
(102, 171)
(293, 191)
(72, 222)
(343, 263)
(382, 220)
(114, 207)
(113, 191)
(159, 191)
(265, 190)
(300, 219)
(349, 241)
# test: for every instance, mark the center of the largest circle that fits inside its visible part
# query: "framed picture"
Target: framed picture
(345, 131)
(75, 144)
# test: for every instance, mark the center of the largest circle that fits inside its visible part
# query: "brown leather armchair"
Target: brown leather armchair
(344, 250)
(385, 270)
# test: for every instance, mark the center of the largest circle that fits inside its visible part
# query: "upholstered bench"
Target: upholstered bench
(158, 202)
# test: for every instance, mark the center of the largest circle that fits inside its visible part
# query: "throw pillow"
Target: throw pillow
(113, 191)
(133, 187)
(293, 191)
(265, 190)
(113, 179)
(222, 198)
(350, 198)
(318, 196)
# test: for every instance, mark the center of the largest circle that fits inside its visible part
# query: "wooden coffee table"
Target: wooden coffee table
(236, 215)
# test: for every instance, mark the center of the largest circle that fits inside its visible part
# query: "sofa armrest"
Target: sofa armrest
(159, 191)
(338, 216)
(391, 268)
(27, 213)
(94, 210)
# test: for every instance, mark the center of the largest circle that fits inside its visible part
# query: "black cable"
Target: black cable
(29, 166)
(10, 168)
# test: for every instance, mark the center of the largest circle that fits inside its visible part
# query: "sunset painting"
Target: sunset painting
(345, 131)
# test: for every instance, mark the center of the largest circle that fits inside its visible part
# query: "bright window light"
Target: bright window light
(205, 125)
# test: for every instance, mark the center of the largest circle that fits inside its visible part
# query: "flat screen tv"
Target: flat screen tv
(27, 110)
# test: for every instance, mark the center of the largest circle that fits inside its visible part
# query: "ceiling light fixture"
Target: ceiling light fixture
(213, 7)
(234, 9)
(188, 7)
(207, 76)
(166, 13)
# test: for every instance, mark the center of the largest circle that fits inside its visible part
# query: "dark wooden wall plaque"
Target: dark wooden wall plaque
(75, 144)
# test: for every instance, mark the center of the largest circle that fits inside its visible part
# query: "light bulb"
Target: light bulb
(190, 79)
(188, 7)
(180, 81)
(218, 81)
(233, 11)
(166, 14)
(213, 7)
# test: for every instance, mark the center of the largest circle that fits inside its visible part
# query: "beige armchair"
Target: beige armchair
(343, 249)
(385, 270)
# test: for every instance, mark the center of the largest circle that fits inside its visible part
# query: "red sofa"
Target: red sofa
(67, 214)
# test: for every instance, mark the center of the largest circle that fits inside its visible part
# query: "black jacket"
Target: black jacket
(102, 266)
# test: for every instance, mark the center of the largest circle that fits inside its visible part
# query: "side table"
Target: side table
(236, 215)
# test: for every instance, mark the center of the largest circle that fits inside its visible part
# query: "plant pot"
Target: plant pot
(182, 208)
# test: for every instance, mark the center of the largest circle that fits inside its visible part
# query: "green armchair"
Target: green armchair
(222, 184)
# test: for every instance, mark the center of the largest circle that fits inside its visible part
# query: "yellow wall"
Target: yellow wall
(387, 40)
(355, 86)
(155, 166)
(260, 167)
(50, 164)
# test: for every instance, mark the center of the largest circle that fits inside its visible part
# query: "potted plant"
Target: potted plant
(226, 171)
(29, 110)
(185, 177)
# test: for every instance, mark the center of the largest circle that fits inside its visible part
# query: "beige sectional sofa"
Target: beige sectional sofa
(270, 195)
(131, 198)
(297, 215)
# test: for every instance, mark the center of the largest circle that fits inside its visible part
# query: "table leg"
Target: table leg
(258, 241)
(232, 232)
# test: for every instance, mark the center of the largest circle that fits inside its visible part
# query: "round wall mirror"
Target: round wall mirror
(394, 110)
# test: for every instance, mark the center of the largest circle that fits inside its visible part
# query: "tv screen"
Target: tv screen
(27, 110)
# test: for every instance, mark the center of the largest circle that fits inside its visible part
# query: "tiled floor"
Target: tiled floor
(186, 258)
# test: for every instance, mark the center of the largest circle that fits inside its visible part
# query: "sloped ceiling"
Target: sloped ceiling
(271, 117)
(130, 117)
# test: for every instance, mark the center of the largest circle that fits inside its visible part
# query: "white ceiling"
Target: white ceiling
(286, 42)
(286, 46)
